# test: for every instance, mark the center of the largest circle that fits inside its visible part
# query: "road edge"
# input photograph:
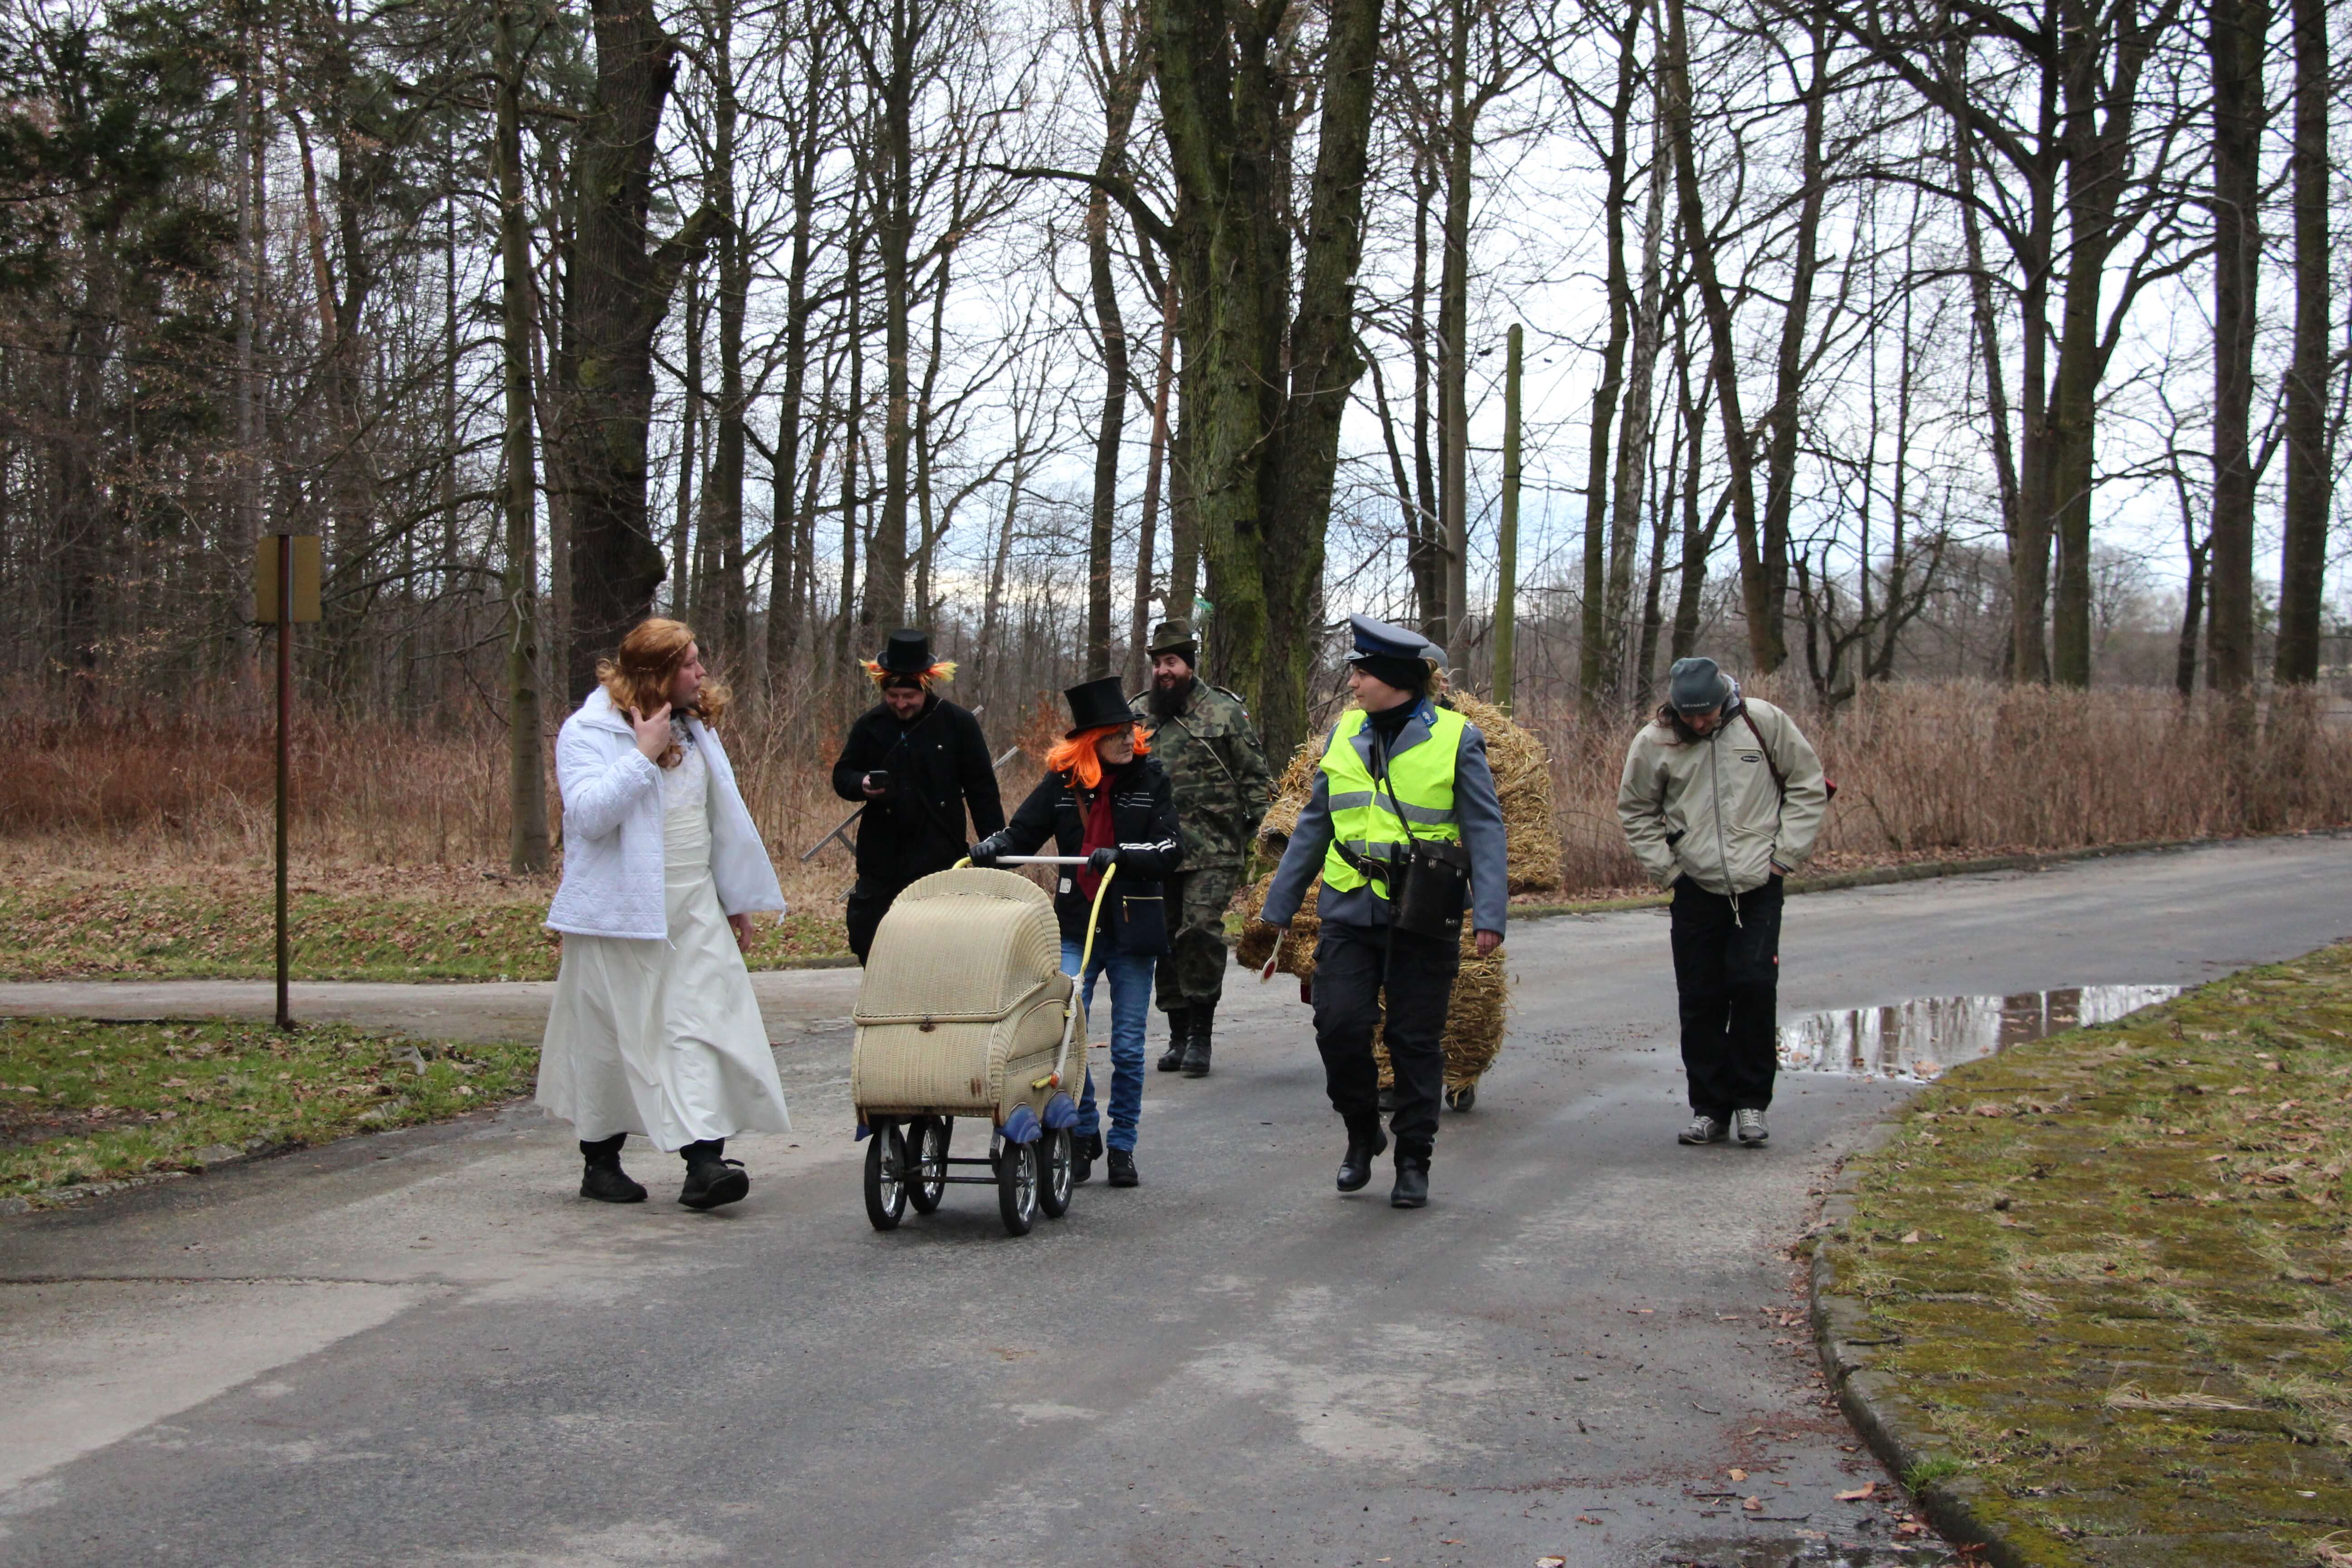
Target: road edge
(1879, 1413)
(1929, 870)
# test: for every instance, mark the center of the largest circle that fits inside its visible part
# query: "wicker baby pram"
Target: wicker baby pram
(964, 1012)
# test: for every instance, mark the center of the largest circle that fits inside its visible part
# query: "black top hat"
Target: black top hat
(1176, 637)
(908, 652)
(1095, 705)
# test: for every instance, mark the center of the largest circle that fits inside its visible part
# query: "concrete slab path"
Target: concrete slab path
(422, 1348)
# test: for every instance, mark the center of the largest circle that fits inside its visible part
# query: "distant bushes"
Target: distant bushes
(1939, 770)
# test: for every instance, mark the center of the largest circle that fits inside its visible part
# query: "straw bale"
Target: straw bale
(1522, 771)
(1475, 1017)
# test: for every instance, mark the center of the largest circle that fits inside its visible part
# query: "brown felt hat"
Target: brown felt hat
(1176, 637)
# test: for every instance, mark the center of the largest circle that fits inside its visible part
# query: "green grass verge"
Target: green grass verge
(2114, 1271)
(83, 1102)
(169, 932)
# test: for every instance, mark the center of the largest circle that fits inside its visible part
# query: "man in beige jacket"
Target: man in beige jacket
(1722, 796)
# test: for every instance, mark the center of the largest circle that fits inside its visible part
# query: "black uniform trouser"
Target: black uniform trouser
(1728, 978)
(1354, 965)
(869, 901)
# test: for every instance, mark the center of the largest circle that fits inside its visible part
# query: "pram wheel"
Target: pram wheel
(1054, 1185)
(1016, 1187)
(927, 1154)
(886, 1178)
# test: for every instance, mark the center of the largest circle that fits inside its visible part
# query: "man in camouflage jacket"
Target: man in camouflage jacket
(1202, 735)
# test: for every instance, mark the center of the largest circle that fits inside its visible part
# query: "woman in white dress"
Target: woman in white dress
(654, 1030)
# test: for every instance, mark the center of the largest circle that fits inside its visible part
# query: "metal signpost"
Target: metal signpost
(284, 593)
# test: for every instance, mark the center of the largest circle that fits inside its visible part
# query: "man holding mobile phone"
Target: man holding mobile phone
(919, 764)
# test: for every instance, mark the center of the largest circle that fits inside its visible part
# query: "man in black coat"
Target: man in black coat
(919, 761)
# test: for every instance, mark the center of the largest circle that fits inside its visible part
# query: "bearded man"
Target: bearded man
(919, 763)
(1203, 737)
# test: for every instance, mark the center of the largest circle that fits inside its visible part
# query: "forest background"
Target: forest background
(1970, 376)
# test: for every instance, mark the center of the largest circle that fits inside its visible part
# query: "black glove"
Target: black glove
(985, 852)
(1103, 859)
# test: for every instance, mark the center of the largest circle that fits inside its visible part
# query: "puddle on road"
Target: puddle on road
(1921, 1038)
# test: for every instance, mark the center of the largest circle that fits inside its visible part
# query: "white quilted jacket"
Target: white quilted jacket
(613, 831)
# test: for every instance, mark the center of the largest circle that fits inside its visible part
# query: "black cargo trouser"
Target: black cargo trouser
(869, 901)
(1727, 979)
(1353, 966)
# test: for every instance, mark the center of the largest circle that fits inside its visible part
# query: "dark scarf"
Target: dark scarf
(1390, 722)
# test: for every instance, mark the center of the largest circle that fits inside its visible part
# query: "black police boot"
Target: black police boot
(1180, 1029)
(602, 1179)
(1366, 1142)
(1411, 1190)
(1084, 1152)
(1196, 1046)
(710, 1179)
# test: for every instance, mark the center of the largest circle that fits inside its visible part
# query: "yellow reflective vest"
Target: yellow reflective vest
(1365, 822)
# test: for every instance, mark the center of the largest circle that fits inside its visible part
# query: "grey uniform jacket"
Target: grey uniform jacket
(1476, 812)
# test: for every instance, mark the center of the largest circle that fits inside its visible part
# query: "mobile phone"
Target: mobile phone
(879, 778)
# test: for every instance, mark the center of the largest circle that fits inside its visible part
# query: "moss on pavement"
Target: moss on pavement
(2112, 1271)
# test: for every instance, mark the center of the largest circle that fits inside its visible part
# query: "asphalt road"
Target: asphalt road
(422, 1348)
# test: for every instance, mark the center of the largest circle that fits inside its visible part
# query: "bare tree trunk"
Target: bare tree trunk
(1121, 67)
(723, 509)
(2303, 560)
(1780, 421)
(2235, 46)
(1737, 456)
(1592, 641)
(527, 831)
(1453, 339)
(1634, 440)
(621, 284)
(1147, 531)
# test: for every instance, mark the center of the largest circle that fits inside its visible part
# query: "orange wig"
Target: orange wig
(1078, 756)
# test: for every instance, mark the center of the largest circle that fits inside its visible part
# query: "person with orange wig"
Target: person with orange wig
(1104, 797)
(654, 1028)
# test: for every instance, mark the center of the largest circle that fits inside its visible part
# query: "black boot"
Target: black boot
(1180, 1029)
(1411, 1190)
(1365, 1143)
(1122, 1169)
(711, 1181)
(1196, 1044)
(1084, 1152)
(604, 1179)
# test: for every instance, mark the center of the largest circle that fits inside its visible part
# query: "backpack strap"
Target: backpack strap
(1778, 782)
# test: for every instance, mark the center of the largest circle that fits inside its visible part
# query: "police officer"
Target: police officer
(1202, 735)
(1398, 767)
(919, 763)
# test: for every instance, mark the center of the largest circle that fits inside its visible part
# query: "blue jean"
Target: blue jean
(1130, 1006)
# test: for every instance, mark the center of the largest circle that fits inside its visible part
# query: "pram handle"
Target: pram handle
(1041, 860)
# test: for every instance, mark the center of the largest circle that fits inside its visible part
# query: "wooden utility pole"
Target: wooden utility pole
(1507, 587)
(285, 592)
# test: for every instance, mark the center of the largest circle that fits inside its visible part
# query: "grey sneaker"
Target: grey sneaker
(1750, 1124)
(1703, 1129)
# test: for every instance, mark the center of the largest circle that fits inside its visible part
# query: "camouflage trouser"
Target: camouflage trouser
(1195, 969)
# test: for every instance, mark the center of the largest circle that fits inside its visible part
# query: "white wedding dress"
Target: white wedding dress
(664, 1038)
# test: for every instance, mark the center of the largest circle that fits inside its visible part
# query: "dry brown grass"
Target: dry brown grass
(1958, 769)
(1925, 771)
